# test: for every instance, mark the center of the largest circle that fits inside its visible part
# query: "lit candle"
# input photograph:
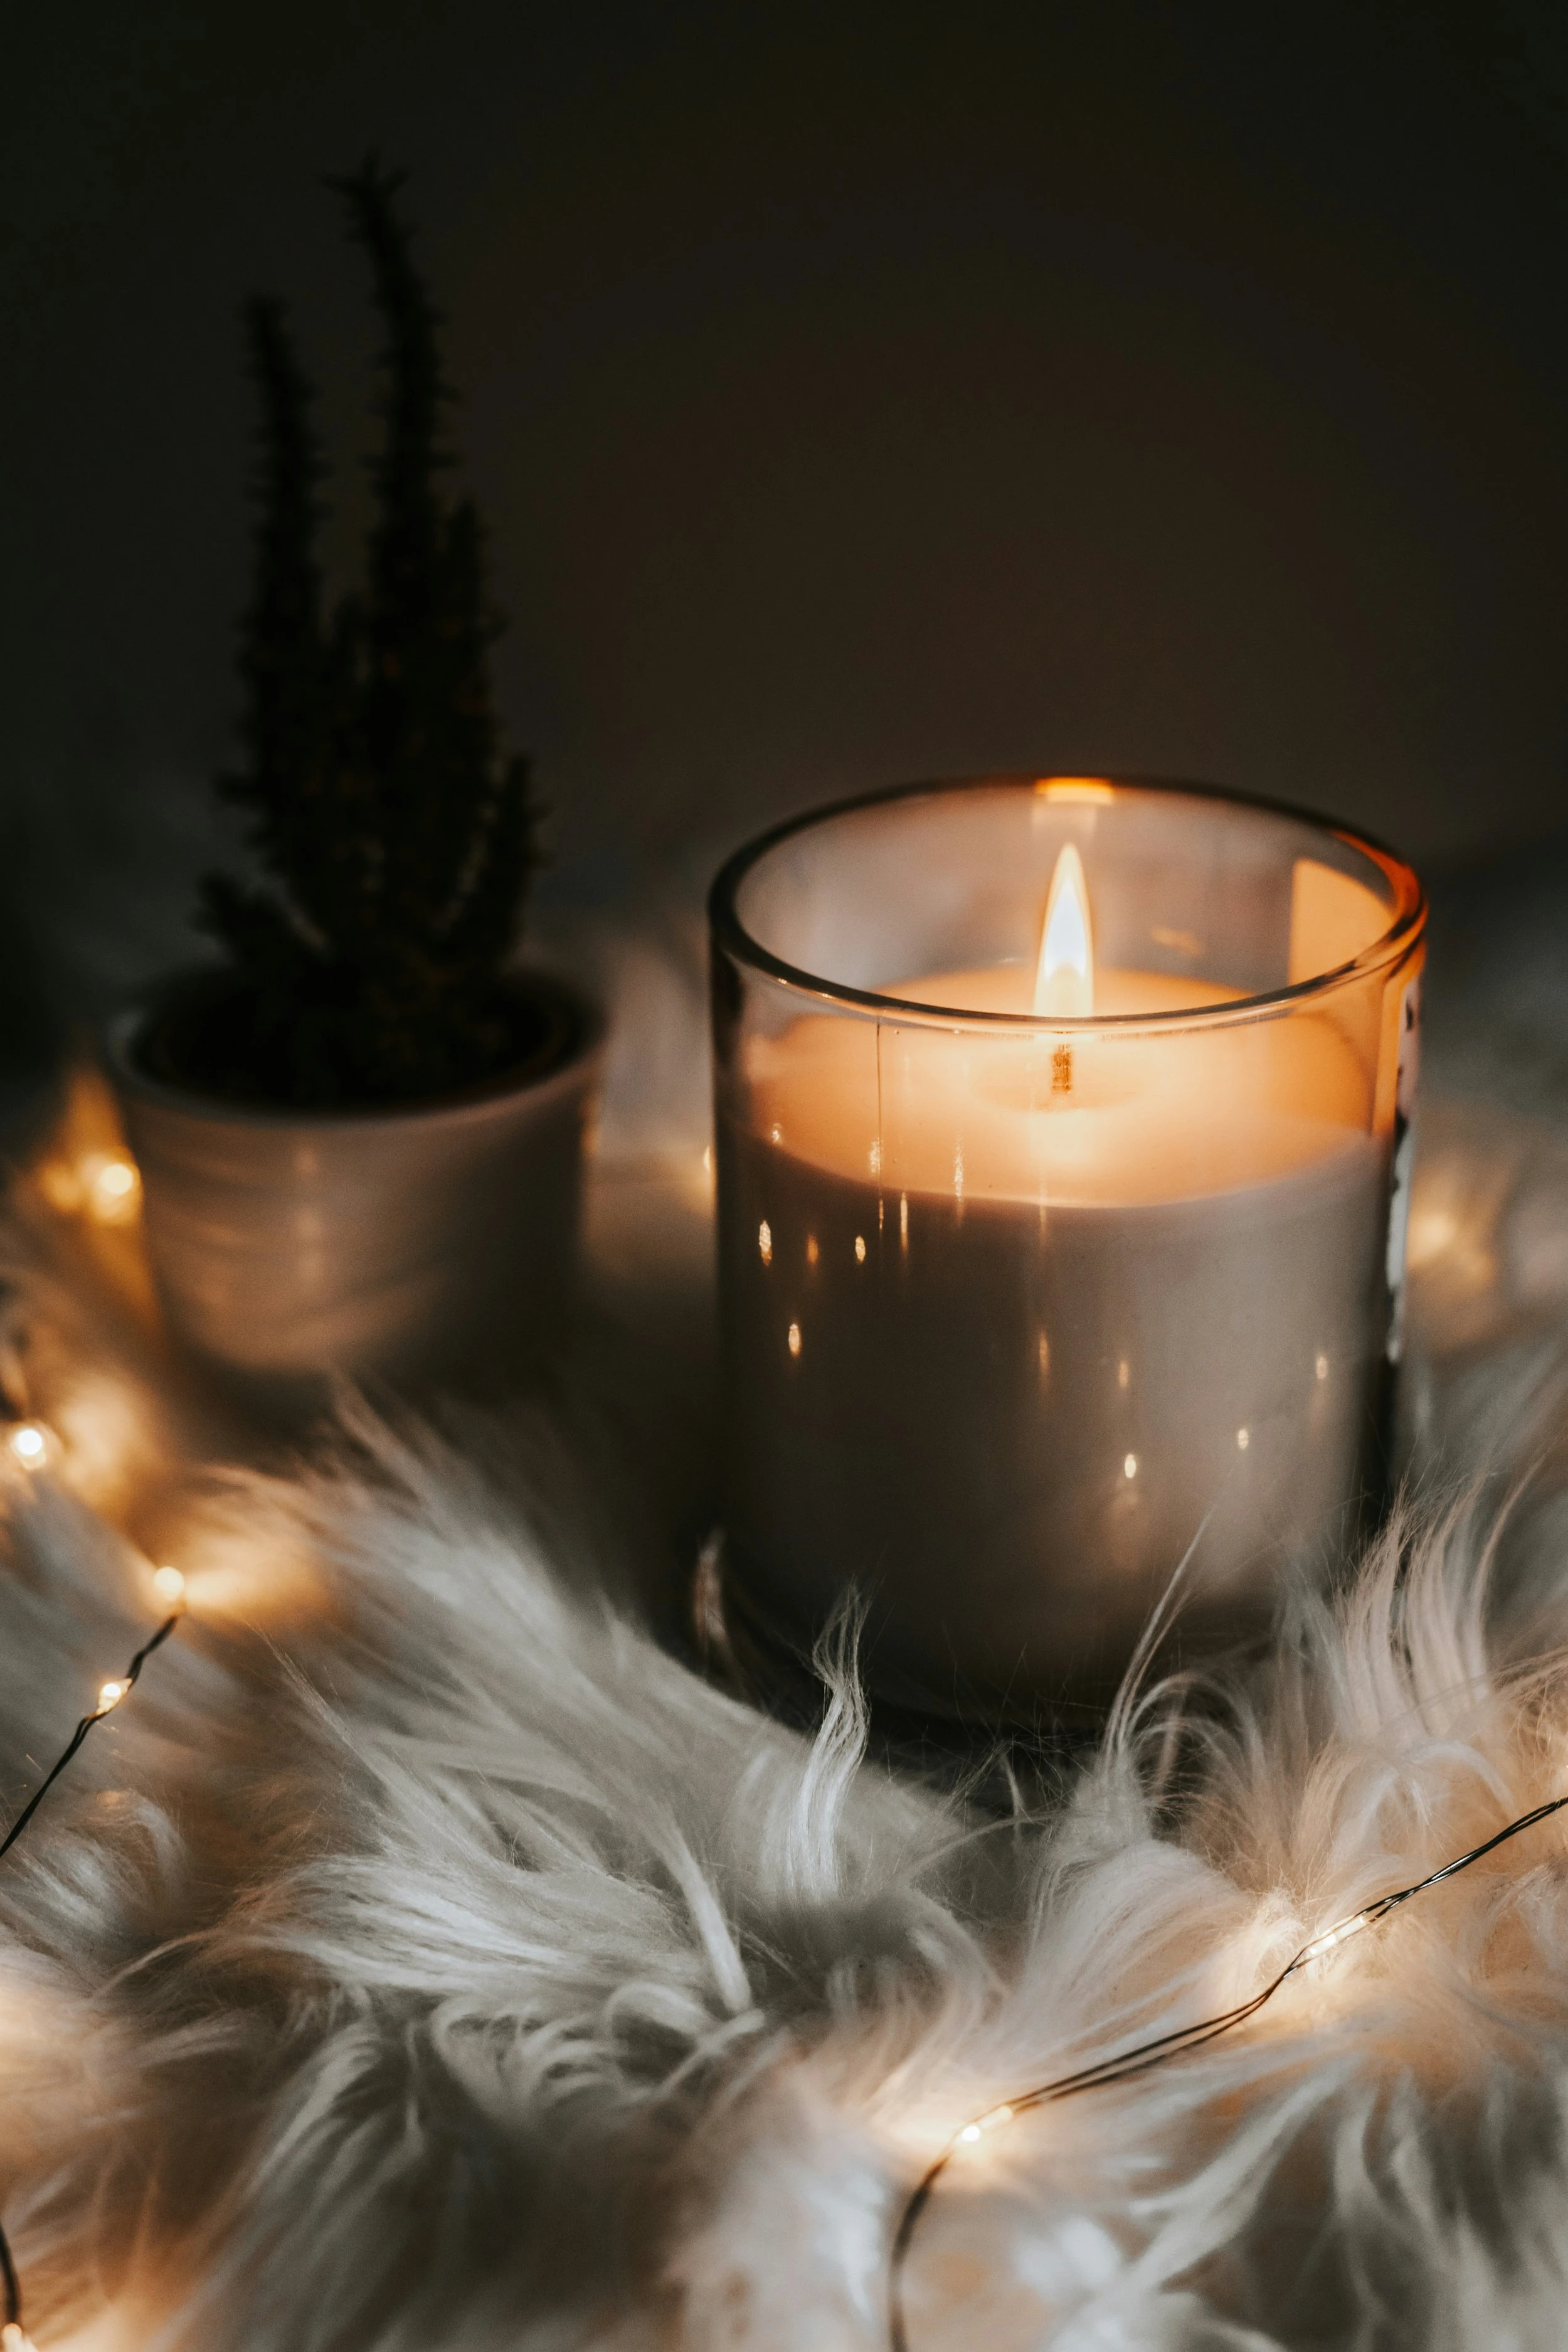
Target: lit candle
(1056, 1130)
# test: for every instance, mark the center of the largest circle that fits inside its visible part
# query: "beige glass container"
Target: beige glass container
(1054, 1252)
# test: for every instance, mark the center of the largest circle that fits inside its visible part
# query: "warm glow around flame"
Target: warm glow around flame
(1064, 978)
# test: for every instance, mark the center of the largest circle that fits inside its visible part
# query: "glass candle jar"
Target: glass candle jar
(1063, 1146)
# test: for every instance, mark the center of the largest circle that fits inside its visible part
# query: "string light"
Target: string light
(105, 1186)
(113, 1189)
(14, 2336)
(32, 1444)
(1146, 2055)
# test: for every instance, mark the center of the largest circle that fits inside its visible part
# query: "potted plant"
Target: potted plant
(361, 1132)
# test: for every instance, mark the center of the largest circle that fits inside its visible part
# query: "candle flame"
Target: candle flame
(1064, 978)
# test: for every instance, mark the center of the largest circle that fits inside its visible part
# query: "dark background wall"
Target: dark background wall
(853, 395)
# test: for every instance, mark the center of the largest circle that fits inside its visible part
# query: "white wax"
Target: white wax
(1082, 1117)
(1018, 1314)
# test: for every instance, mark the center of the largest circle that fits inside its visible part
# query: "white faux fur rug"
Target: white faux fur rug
(423, 1959)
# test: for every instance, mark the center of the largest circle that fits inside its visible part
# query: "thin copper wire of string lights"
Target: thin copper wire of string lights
(14, 2336)
(1146, 2055)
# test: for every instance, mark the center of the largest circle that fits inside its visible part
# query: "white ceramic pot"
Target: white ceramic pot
(431, 1243)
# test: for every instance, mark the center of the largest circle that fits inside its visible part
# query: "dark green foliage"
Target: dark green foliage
(395, 844)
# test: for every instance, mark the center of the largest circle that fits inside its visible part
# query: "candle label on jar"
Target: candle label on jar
(1404, 1160)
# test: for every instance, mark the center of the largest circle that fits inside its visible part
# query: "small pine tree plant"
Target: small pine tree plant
(395, 843)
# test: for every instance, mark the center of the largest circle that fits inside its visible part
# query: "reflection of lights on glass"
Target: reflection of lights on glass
(1243, 1439)
(707, 1159)
(1130, 1466)
(109, 1695)
(776, 1133)
(169, 1585)
(1432, 1231)
(812, 1252)
(1322, 1367)
(1074, 788)
(874, 1155)
(1186, 943)
(765, 1242)
(860, 1249)
(904, 1221)
(794, 1338)
(1044, 1348)
(1124, 1374)
(958, 1175)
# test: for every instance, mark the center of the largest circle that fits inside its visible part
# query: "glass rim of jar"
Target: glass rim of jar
(1389, 948)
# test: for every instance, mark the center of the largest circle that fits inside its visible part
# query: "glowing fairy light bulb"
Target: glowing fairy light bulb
(989, 2122)
(1064, 977)
(105, 1186)
(1333, 1937)
(30, 1445)
(113, 1189)
(169, 1584)
(110, 1696)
